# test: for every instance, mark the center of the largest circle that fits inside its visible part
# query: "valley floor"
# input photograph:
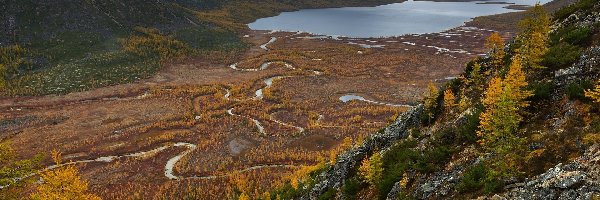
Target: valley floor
(258, 118)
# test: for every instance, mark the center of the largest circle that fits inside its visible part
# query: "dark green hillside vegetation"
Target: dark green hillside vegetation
(530, 104)
(78, 45)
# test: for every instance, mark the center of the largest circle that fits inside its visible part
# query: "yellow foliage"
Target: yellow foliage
(266, 196)
(432, 93)
(62, 183)
(244, 196)
(371, 169)
(11, 58)
(242, 183)
(449, 100)
(594, 94)
(301, 174)
(152, 42)
(404, 181)
(534, 36)
(492, 96)
(516, 80)
(536, 153)
(464, 103)
(2, 76)
(295, 183)
(592, 138)
(496, 45)
(499, 122)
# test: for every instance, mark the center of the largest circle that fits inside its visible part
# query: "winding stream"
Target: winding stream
(169, 166)
(300, 129)
(264, 46)
(259, 126)
(351, 97)
(269, 83)
(262, 66)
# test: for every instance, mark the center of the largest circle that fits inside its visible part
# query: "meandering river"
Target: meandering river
(410, 17)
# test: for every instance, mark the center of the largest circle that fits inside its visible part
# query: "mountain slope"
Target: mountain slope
(78, 45)
(437, 151)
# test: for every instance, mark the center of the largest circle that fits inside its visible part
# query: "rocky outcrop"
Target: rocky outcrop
(579, 179)
(585, 68)
(582, 18)
(442, 183)
(346, 162)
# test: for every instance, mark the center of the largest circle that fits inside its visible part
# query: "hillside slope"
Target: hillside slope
(511, 127)
(72, 46)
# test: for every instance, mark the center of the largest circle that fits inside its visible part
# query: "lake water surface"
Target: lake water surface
(410, 17)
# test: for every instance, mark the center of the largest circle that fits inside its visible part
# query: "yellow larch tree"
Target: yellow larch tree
(449, 101)
(371, 170)
(63, 183)
(495, 44)
(490, 100)
(516, 79)
(534, 36)
(499, 123)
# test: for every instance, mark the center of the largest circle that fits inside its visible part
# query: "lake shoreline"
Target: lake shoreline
(504, 22)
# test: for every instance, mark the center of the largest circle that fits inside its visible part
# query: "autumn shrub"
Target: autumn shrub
(292, 189)
(561, 55)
